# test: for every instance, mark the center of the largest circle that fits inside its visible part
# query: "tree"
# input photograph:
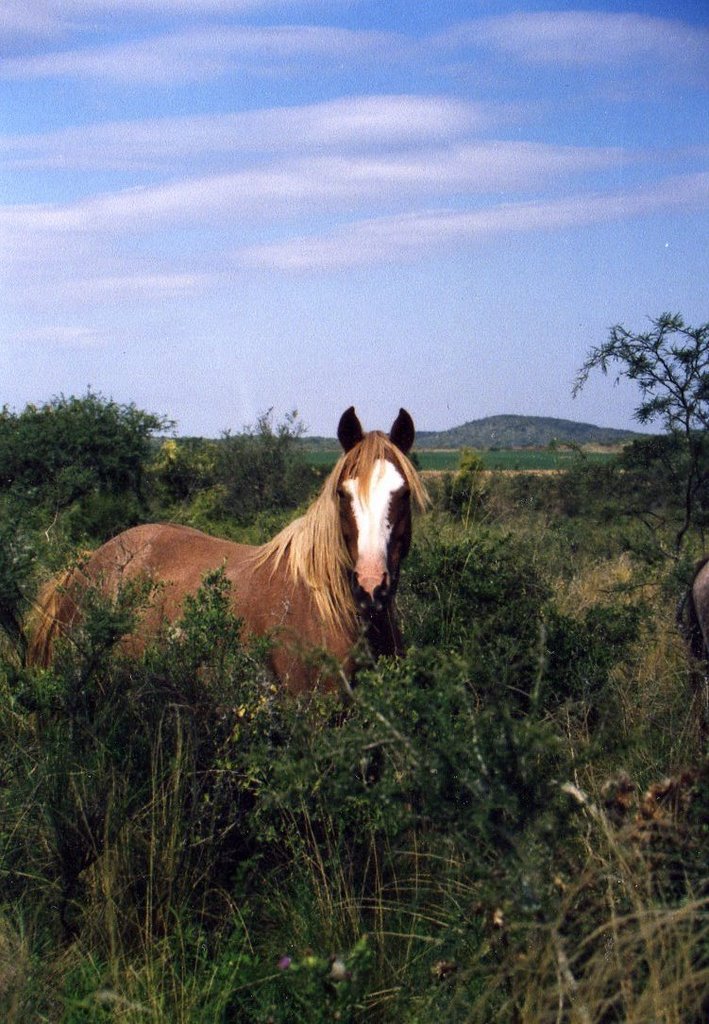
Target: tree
(182, 468)
(670, 364)
(88, 453)
(264, 468)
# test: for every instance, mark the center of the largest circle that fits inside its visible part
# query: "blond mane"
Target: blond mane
(313, 546)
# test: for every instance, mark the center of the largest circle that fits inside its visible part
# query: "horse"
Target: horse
(327, 579)
(693, 612)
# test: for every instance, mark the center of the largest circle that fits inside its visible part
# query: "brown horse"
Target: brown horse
(321, 583)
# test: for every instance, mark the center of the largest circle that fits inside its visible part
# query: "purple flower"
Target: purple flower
(284, 963)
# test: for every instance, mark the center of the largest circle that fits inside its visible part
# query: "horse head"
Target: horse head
(374, 494)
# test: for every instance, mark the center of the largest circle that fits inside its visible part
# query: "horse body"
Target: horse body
(317, 586)
(696, 612)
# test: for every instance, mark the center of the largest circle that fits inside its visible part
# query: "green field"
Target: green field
(440, 460)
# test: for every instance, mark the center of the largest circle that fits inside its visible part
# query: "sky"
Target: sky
(213, 208)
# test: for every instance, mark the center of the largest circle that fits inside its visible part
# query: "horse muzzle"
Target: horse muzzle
(372, 593)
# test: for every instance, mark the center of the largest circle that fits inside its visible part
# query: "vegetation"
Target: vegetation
(670, 364)
(513, 459)
(83, 456)
(507, 826)
(522, 431)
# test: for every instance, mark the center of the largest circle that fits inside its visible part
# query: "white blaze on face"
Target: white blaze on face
(371, 513)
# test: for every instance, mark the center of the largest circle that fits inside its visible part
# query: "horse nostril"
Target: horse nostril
(381, 593)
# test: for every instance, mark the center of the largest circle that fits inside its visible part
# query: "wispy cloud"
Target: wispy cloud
(578, 39)
(351, 122)
(585, 38)
(318, 184)
(57, 336)
(168, 285)
(194, 54)
(410, 235)
(46, 18)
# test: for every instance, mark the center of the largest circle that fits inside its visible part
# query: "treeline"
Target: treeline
(90, 467)
(76, 471)
(100, 466)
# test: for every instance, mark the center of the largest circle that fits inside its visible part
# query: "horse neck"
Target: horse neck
(383, 633)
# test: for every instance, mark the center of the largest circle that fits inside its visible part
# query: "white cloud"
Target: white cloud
(168, 285)
(320, 184)
(357, 121)
(47, 18)
(567, 38)
(583, 38)
(417, 234)
(194, 54)
(57, 336)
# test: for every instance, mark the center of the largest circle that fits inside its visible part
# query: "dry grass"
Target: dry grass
(624, 947)
(598, 583)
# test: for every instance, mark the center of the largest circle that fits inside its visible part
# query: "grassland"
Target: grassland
(512, 459)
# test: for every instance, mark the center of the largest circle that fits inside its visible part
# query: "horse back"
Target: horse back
(174, 558)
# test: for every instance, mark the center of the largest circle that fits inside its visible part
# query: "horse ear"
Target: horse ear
(402, 433)
(349, 430)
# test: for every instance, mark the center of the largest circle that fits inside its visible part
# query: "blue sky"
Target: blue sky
(215, 208)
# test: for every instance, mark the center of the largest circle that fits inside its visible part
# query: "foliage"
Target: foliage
(657, 472)
(464, 492)
(264, 469)
(17, 571)
(102, 737)
(88, 453)
(670, 365)
(72, 470)
(470, 589)
(183, 468)
(590, 489)
(467, 840)
(213, 851)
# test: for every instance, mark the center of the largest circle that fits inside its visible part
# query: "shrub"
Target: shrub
(183, 468)
(179, 841)
(108, 738)
(475, 591)
(264, 469)
(464, 492)
(71, 447)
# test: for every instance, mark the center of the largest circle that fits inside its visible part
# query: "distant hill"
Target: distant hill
(505, 432)
(521, 432)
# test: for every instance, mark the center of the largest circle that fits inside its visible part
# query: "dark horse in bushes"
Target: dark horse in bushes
(318, 586)
(693, 612)
(693, 621)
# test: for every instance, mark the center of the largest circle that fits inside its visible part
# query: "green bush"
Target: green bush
(68, 448)
(475, 591)
(184, 468)
(96, 739)
(264, 469)
(464, 492)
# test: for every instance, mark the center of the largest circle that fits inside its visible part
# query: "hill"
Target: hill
(521, 432)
